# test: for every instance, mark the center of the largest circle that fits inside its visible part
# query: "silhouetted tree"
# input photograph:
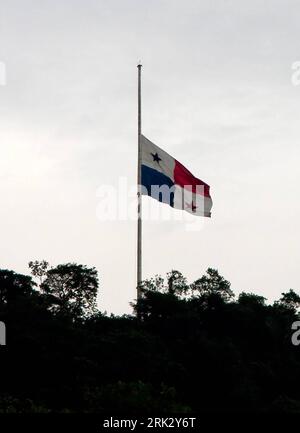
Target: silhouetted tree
(212, 283)
(14, 286)
(177, 283)
(289, 300)
(39, 269)
(155, 284)
(71, 289)
(251, 299)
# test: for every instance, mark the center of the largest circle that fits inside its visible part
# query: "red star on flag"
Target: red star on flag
(191, 206)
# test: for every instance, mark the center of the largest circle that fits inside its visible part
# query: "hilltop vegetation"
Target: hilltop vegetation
(193, 347)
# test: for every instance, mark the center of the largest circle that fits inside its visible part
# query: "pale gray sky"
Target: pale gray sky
(217, 95)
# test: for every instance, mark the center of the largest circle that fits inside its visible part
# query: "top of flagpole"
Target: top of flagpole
(139, 65)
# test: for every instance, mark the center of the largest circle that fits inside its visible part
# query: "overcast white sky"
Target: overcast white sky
(217, 95)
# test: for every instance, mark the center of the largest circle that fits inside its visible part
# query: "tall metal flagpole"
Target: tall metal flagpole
(139, 221)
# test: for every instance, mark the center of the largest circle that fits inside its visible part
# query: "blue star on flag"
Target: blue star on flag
(156, 157)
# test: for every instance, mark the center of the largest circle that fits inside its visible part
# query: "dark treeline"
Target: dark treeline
(186, 348)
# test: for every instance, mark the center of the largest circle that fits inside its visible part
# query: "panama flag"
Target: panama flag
(167, 180)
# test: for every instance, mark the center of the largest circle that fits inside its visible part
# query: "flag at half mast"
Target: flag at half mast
(168, 181)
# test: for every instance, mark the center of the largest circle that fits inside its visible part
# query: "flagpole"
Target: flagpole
(139, 210)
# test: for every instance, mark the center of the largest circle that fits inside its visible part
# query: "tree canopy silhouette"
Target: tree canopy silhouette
(195, 348)
(71, 289)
